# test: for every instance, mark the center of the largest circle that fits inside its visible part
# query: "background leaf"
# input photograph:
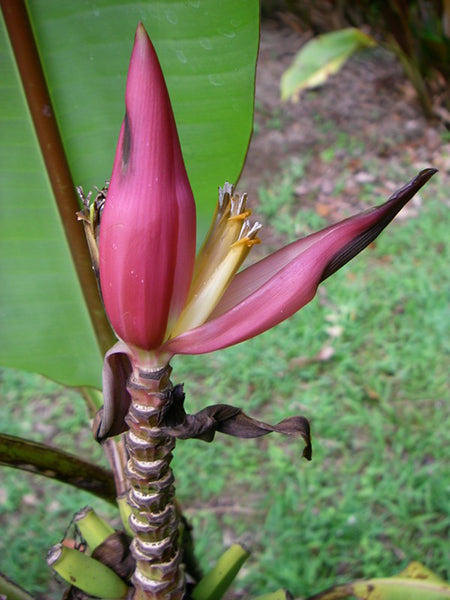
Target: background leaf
(321, 57)
(208, 53)
(416, 582)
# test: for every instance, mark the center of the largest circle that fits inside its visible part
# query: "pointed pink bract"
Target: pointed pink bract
(147, 233)
(276, 287)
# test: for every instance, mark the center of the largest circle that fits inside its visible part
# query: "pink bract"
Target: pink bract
(147, 234)
(276, 287)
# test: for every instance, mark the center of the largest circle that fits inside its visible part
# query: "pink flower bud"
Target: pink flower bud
(147, 233)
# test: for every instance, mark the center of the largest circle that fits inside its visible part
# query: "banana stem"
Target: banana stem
(154, 520)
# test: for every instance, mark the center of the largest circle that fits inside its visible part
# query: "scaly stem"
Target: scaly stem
(154, 521)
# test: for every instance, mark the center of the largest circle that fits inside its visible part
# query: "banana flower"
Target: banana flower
(160, 299)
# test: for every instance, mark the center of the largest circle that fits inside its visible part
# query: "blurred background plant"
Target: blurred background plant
(416, 31)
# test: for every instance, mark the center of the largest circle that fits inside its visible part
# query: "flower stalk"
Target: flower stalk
(154, 519)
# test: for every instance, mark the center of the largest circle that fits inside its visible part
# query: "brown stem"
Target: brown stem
(56, 464)
(412, 71)
(154, 520)
(116, 454)
(43, 115)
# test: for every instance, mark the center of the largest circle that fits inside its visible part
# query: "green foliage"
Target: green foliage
(417, 32)
(44, 321)
(209, 59)
(278, 204)
(321, 57)
(208, 55)
(278, 595)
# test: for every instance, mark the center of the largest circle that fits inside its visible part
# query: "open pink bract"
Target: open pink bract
(147, 241)
(276, 287)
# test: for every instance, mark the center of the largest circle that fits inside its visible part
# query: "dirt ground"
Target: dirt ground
(367, 115)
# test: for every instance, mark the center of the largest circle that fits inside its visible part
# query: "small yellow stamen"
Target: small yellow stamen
(247, 242)
(240, 217)
(230, 215)
(229, 241)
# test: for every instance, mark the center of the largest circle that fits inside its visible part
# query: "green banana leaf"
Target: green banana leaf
(208, 53)
(321, 57)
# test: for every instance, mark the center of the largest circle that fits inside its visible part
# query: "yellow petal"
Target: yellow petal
(218, 271)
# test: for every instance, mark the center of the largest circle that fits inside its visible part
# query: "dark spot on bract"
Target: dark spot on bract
(126, 143)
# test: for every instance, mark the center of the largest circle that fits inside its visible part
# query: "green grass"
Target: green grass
(35, 512)
(278, 204)
(376, 494)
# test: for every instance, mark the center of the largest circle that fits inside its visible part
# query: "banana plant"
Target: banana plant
(186, 128)
(63, 76)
